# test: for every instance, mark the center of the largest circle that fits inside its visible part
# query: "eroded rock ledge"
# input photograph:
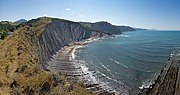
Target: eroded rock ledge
(61, 33)
(168, 82)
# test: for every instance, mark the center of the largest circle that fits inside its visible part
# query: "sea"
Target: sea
(130, 61)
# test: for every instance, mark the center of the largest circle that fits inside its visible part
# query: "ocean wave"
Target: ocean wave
(147, 71)
(104, 66)
(147, 84)
(145, 48)
(117, 85)
(91, 76)
(119, 63)
(143, 60)
(124, 35)
(85, 70)
(102, 74)
(74, 50)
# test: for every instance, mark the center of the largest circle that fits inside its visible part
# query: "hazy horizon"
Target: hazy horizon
(152, 14)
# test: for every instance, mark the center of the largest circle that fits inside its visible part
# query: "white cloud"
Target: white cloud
(67, 9)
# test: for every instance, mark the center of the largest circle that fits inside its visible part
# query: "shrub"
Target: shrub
(3, 34)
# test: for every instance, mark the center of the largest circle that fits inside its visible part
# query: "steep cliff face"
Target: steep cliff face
(107, 27)
(29, 48)
(59, 33)
(102, 26)
(168, 82)
(125, 28)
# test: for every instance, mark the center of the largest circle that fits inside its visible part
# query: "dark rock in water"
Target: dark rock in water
(168, 82)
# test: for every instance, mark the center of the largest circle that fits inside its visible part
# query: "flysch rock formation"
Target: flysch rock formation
(59, 34)
(168, 82)
(28, 62)
(63, 63)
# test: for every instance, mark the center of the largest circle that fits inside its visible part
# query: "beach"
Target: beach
(64, 63)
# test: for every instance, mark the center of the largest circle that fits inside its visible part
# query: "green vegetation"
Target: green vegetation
(6, 27)
(3, 34)
(21, 72)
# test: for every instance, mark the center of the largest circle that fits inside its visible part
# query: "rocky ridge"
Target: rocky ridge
(106, 27)
(25, 54)
(168, 82)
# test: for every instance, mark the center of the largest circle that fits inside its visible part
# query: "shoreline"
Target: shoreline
(166, 73)
(63, 62)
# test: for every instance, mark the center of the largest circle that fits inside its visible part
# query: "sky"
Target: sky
(149, 14)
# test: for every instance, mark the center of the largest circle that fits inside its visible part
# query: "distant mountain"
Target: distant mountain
(107, 27)
(20, 21)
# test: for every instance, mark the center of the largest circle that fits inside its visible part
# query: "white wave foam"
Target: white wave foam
(90, 74)
(148, 83)
(104, 66)
(124, 35)
(91, 40)
(109, 78)
(74, 50)
(119, 63)
(147, 71)
(145, 85)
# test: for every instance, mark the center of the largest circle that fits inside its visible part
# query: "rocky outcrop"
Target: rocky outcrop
(59, 33)
(168, 82)
(125, 28)
(30, 46)
(33, 45)
(107, 27)
(102, 26)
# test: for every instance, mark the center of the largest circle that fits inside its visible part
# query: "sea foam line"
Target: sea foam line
(119, 63)
(104, 66)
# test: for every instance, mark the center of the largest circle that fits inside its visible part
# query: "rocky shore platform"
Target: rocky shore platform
(63, 63)
(168, 82)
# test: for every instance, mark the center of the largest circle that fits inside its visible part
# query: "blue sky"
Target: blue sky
(150, 14)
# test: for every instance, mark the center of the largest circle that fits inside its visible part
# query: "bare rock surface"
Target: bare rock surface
(64, 63)
(168, 82)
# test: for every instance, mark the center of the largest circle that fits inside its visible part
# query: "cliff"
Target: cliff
(107, 27)
(25, 53)
(168, 82)
(59, 33)
(102, 26)
(125, 28)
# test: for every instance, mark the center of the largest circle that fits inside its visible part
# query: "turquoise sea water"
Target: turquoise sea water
(131, 59)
